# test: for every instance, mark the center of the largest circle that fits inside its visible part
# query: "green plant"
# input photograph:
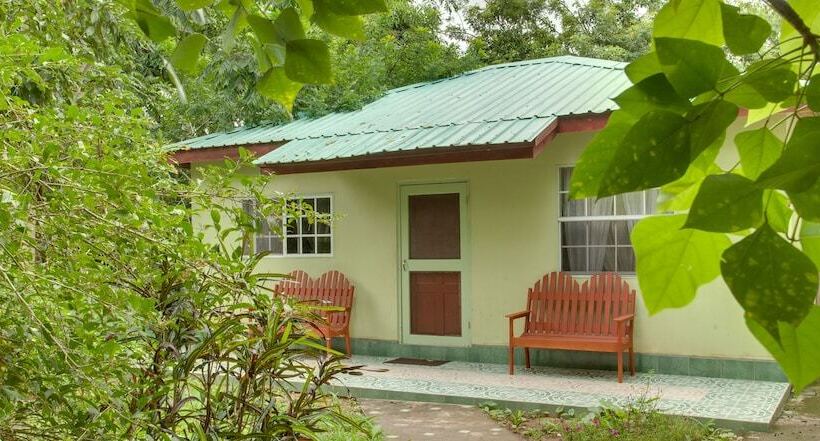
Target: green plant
(755, 221)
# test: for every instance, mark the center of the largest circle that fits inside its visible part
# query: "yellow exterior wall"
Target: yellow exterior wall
(512, 212)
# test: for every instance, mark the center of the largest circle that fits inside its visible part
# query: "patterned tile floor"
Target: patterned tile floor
(737, 404)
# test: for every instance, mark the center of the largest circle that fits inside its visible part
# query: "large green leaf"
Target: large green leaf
(597, 156)
(308, 61)
(289, 25)
(745, 96)
(798, 167)
(276, 86)
(152, 22)
(778, 211)
(708, 123)
(772, 79)
(192, 5)
(693, 67)
(690, 19)
(812, 93)
(807, 203)
(673, 262)
(758, 150)
(771, 279)
(346, 26)
(357, 7)
(187, 52)
(679, 195)
(652, 93)
(265, 30)
(643, 67)
(810, 240)
(795, 347)
(744, 33)
(726, 203)
(654, 152)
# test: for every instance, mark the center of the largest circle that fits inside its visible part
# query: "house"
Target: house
(452, 198)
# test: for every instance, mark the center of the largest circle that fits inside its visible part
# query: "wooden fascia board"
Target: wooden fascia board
(220, 153)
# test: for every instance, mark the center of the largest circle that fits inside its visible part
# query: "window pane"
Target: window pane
(262, 244)
(629, 203)
(626, 260)
(307, 226)
(323, 226)
(574, 233)
(571, 207)
(566, 174)
(574, 259)
(308, 245)
(293, 227)
(276, 245)
(323, 205)
(622, 231)
(601, 233)
(651, 200)
(323, 245)
(602, 207)
(601, 259)
(309, 202)
(293, 245)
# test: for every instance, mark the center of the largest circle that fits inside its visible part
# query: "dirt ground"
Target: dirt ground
(800, 420)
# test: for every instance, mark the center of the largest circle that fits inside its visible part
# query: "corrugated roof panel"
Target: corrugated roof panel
(498, 104)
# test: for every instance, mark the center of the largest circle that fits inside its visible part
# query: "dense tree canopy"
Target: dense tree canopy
(511, 30)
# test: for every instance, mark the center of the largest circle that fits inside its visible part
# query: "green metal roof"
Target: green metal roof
(499, 104)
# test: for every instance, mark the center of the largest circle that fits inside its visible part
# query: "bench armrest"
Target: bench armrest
(517, 315)
(623, 318)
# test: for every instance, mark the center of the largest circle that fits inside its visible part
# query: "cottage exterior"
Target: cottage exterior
(451, 200)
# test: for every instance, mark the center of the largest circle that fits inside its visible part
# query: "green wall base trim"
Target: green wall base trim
(762, 370)
(366, 393)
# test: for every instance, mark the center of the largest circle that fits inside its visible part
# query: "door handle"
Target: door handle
(404, 265)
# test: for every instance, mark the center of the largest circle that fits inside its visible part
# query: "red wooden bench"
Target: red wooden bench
(597, 315)
(330, 289)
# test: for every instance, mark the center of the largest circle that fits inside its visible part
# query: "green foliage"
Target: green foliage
(680, 260)
(119, 320)
(393, 50)
(511, 30)
(669, 133)
(638, 420)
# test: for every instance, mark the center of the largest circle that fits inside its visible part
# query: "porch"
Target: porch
(731, 403)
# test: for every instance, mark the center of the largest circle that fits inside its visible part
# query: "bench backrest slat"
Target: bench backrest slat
(559, 305)
(330, 289)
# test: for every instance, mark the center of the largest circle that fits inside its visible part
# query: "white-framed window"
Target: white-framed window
(594, 234)
(305, 232)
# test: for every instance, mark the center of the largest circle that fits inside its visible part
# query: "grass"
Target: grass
(638, 421)
(339, 431)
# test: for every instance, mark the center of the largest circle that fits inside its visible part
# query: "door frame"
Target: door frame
(462, 265)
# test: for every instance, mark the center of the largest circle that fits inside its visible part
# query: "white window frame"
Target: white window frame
(614, 217)
(299, 236)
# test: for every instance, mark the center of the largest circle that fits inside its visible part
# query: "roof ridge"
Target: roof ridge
(572, 60)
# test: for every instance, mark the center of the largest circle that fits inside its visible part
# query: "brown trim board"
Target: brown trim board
(220, 153)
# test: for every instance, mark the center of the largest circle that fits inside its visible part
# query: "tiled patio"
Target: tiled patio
(736, 404)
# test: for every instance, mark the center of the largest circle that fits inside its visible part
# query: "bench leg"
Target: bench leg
(527, 356)
(512, 359)
(328, 343)
(347, 345)
(631, 361)
(620, 366)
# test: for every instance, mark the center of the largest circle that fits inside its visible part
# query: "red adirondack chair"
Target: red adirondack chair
(597, 315)
(330, 289)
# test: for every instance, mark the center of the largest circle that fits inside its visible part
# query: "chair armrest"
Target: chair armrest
(623, 318)
(517, 315)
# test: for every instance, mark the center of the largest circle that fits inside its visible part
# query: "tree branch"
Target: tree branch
(790, 15)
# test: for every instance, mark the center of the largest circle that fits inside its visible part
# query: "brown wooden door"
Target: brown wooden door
(433, 261)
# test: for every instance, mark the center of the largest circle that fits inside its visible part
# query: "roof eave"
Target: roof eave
(445, 155)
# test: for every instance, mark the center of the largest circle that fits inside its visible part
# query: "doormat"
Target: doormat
(416, 361)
